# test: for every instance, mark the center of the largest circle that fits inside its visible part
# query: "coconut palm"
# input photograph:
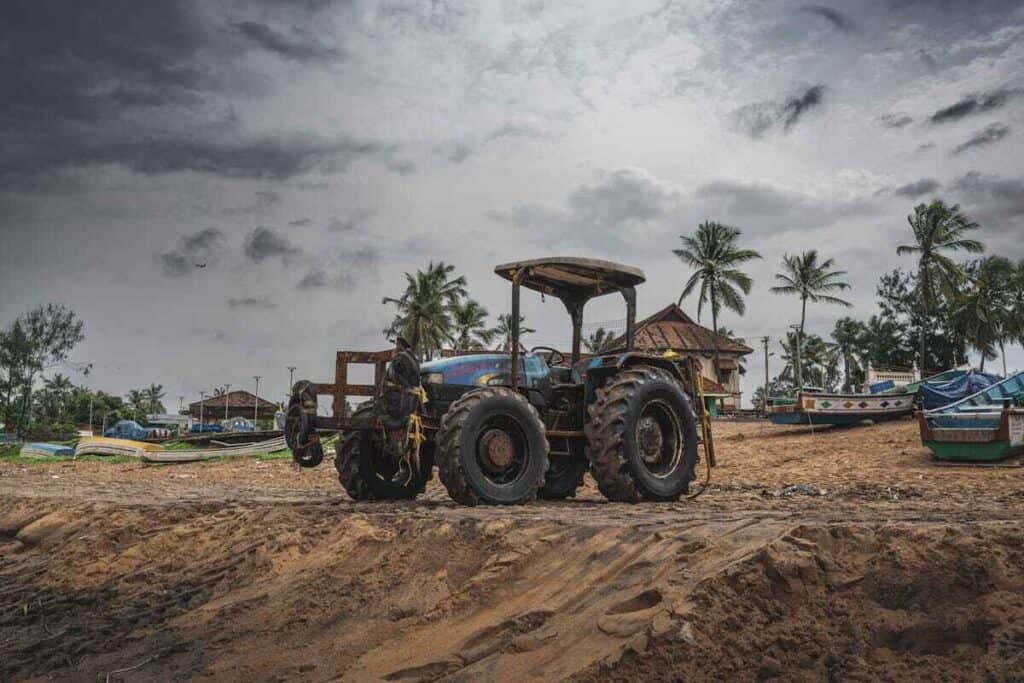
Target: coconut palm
(984, 310)
(469, 319)
(599, 340)
(850, 337)
(1016, 328)
(937, 228)
(423, 316)
(811, 280)
(714, 255)
(504, 330)
(154, 396)
(136, 402)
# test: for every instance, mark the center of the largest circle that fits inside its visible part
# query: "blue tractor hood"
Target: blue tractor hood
(481, 369)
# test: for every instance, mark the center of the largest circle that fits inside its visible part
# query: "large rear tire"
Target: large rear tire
(492, 448)
(642, 437)
(366, 473)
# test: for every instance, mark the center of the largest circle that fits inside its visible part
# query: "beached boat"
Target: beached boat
(985, 426)
(46, 450)
(818, 408)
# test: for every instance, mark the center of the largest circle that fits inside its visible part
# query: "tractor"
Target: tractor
(505, 428)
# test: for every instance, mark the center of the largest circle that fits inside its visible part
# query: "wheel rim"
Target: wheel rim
(659, 439)
(501, 450)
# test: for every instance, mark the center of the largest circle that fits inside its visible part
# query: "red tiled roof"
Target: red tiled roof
(235, 399)
(671, 328)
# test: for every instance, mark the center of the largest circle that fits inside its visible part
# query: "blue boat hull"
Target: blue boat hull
(982, 427)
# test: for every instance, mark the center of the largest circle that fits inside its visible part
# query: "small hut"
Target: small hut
(232, 404)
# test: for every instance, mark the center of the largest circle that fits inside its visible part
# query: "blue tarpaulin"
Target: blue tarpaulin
(938, 394)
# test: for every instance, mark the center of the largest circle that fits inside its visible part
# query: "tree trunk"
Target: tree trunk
(799, 343)
(923, 284)
(1002, 352)
(714, 339)
(26, 401)
(846, 372)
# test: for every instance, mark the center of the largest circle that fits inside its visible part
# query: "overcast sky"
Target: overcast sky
(310, 152)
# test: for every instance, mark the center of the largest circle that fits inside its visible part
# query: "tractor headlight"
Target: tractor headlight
(433, 378)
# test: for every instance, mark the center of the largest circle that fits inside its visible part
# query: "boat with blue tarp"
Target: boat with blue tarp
(985, 426)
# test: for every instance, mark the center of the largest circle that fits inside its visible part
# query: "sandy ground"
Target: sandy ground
(824, 555)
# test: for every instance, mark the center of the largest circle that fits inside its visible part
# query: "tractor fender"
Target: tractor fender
(627, 360)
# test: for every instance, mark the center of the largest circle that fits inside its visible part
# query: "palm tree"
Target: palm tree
(423, 316)
(850, 337)
(1016, 328)
(804, 276)
(469, 319)
(154, 395)
(984, 310)
(136, 402)
(715, 257)
(937, 228)
(504, 330)
(59, 389)
(599, 340)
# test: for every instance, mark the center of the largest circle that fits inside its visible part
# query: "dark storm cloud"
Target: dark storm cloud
(314, 279)
(619, 197)
(197, 251)
(974, 104)
(989, 135)
(174, 264)
(1005, 194)
(353, 223)
(342, 272)
(296, 45)
(762, 117)
(252, 302)
(264, 243)
(839, 21)
(895, 120)
(762, 208)
(917, 188)
(268, 158)
(997, 203)
(97, 83)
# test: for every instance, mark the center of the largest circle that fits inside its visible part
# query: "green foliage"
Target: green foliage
(938, 229)
(469, 320)
(503, 330)
(714, 254)
(804, 276)
(599, 340)
(423, 314)
(36, 341)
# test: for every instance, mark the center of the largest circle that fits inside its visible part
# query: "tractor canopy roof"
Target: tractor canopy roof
(572, 278)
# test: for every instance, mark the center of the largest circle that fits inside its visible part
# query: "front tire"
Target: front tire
(642, 437)
(492, 448)
(366, 472)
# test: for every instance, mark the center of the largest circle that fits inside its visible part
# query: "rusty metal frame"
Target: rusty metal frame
(341, 389)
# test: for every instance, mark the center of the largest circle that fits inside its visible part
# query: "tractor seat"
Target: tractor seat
(561, 374)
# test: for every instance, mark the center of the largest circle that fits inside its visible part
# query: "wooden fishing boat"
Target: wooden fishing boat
(985, 426)
(819, 408)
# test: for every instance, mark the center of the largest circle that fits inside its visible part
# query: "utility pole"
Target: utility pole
(202, 398)
(227, 388)
(291, 376)
(764, 398)
(181, 404)
(256, 408)
(90, 411)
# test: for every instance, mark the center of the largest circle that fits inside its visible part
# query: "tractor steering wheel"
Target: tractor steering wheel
(555, 357)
